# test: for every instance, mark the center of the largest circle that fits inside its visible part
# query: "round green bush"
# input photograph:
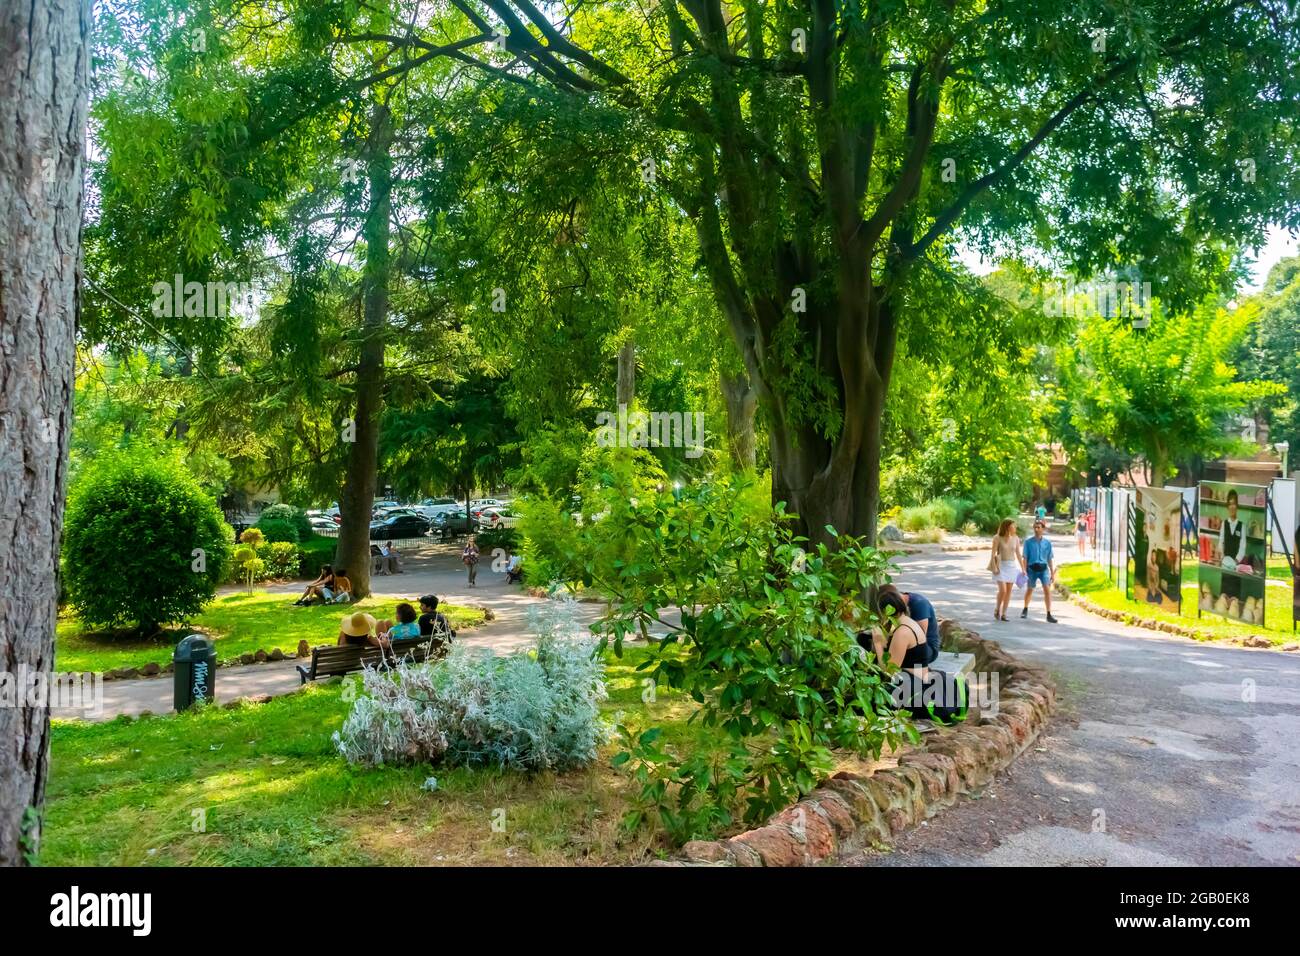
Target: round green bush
(284, 523)
(142, 545)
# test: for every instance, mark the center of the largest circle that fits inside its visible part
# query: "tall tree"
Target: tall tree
(43, 84)
(1165, 389)
(827, 153)
(1272, 350)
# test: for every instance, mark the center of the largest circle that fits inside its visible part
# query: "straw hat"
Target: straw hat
(358, 625)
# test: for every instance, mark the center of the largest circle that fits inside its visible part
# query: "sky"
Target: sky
(1278, 244)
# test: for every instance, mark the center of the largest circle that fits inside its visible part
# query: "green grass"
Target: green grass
(1086, 578)
(275, 792)
(239, 623)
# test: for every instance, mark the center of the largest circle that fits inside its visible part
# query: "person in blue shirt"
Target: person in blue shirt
(1040, 566)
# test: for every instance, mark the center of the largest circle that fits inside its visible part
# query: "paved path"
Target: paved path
(1154, 759)
(439, 572)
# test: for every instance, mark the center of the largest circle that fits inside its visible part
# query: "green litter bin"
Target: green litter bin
(195, 674)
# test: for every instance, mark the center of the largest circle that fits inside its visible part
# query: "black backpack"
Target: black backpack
(941, 697)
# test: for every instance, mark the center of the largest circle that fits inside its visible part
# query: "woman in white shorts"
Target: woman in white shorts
(1006, 562)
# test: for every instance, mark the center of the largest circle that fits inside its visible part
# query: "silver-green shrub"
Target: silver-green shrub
(531, 710)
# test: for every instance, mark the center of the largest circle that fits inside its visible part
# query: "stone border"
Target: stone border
(260, 656)
(1256, 641)
(851, 811)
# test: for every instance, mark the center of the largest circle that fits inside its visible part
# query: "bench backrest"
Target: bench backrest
(343, 659)
(329, 660)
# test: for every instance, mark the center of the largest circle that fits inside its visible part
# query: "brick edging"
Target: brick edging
(850, 811)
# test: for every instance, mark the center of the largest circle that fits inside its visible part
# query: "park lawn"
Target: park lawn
(274, 792)
(239, 623)
(1086, 578)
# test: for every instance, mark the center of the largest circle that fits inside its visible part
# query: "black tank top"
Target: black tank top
(921, 654)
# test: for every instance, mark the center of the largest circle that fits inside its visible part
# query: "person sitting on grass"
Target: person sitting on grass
(360, 629)
(406, 628)
(324, 582)
(341, 591)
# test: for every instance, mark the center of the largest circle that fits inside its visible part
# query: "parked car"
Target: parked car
(398, 526)
(432, 507)
(381, 513)
(503, 517)
(321, 523)
(450, 523)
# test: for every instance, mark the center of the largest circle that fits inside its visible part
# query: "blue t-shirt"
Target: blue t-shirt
(1038, 551)
(401, 632)
(922, 612)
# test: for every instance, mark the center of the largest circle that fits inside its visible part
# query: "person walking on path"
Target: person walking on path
(1040, 566)
(1081, 533)
(470, 559)
(1006, 563)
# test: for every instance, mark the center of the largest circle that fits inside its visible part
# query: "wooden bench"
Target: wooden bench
(332, 660)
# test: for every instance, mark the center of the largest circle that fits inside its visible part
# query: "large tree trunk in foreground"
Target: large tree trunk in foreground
(357, 499)
(741, 401)
(43, 81)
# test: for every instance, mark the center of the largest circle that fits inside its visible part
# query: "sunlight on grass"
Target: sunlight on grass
(1091, 581)
(240, 623)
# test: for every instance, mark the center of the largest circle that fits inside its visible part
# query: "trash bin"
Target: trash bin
(195, 674)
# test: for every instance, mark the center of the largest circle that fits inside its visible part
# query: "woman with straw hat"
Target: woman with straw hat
(359, 628)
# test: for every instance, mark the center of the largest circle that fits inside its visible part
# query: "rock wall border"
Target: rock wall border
(851, 811)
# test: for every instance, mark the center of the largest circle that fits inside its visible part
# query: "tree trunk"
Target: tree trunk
(357, 499)
(43, 82)
(627, 373)
(741, 401)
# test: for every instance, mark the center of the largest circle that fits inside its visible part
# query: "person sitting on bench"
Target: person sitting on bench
(390, 559)
(360, 628)
(513, 571)
(406, 627)
(904, 640)
(324, 582)
(432, 621)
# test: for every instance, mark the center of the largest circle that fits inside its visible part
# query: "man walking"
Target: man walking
(1041, 567)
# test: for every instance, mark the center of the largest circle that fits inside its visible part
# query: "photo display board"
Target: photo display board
(1157, 548)
(1233, 548)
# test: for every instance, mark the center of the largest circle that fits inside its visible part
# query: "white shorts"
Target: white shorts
(1007, 573)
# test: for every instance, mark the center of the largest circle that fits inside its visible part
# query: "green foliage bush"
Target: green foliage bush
(488, 541)
(314, 552)
(284, 523)
(143, 545)
(282, 559)
(992, 503)
(947, 513)
(766, 646)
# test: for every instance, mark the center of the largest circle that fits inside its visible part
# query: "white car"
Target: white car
(321, 523)
(502, 517)
(432, 507)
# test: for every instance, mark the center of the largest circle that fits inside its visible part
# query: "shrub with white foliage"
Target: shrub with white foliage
(532, 710)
